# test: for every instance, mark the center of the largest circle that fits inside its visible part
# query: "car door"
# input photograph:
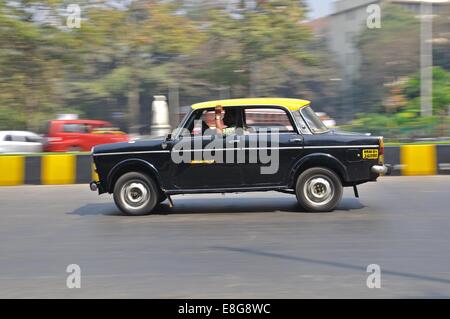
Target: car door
(17, 143)
(70, 133)
(200, 158)
(34, 143)
(272, 146)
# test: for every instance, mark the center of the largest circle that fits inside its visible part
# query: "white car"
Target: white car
(20, 142)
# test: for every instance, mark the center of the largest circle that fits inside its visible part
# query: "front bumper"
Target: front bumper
(381, 169)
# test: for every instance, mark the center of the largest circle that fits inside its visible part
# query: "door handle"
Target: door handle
(233, 142)
(296, 140)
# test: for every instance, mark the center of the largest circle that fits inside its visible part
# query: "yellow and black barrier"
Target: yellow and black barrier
(66, 168)
(417, 160)
(54, 169)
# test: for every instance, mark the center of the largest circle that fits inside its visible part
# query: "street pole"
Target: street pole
(174, 104)
(426, 58)
(160, 117)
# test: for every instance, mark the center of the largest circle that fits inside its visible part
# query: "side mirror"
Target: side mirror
(169, 137)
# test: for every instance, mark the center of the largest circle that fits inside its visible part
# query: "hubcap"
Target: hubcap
(318, 190)
(135, 194)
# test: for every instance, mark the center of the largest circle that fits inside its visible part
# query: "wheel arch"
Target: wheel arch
(318, 160)
(132, 165)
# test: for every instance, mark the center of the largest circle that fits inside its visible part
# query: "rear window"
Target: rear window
(268, 119)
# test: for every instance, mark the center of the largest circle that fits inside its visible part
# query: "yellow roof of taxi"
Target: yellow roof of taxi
(291, 104)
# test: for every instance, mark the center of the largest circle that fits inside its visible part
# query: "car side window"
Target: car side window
(18, 138)
(204, 124)
(72, 128)
(267, 119)
(32, 139)
(301, 123)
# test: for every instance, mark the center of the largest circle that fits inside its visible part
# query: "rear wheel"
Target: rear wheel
(135, 194)
(318, 189)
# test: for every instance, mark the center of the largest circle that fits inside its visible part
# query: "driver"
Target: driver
(227, 125)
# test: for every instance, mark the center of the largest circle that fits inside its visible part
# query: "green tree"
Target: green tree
(264, 50)
(33, 55)
(407, 121)
(388, 54)
(129, 51)
(393, 52)
(441, 92)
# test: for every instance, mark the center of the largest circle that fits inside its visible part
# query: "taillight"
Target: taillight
(381, 151)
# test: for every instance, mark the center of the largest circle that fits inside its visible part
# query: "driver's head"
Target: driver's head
(229, 118)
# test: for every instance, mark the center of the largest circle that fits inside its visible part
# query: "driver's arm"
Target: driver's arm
(218, 118)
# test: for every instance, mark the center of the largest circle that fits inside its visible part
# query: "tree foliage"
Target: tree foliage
(125, 52)
(393, 52)
(407, 121)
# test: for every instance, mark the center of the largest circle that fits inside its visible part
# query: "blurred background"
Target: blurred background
(367, 66)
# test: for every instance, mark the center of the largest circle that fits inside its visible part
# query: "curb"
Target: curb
(46, 169)
(418, 160)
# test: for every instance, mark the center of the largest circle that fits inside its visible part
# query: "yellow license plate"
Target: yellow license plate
(370, 153)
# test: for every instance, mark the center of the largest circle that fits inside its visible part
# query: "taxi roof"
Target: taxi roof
(290, 104)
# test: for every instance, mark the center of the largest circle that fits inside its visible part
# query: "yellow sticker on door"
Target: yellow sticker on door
(370, 153)
(203, 161)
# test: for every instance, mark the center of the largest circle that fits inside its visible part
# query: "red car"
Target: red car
(81, 135)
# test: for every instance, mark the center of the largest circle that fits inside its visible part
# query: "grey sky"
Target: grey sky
(320, 8)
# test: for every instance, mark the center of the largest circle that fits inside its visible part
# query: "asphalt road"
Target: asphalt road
(254, 245)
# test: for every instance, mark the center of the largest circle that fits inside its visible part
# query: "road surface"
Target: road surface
(253, 245)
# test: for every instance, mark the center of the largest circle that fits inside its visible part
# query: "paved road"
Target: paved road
(255, 245)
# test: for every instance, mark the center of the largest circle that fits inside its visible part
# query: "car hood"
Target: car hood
(153, 144)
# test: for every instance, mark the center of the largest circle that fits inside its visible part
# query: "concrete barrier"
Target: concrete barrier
(57, 169)
(416, 160)
(54, 169)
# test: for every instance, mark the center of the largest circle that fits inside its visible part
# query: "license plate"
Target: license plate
(370, 153)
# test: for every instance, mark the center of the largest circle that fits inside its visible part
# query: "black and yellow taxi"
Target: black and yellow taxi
(240, 145)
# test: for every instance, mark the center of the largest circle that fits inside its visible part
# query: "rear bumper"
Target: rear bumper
(381, 169)
(93, 186)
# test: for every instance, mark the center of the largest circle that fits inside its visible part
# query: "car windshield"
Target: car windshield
(313, 121)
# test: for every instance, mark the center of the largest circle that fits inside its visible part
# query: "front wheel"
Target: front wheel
(135, 194)
(318, 189)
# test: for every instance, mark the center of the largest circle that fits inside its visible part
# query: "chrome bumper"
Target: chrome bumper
(381, 169)
(93, 186)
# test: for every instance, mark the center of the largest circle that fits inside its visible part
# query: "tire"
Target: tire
(318, 189)
(136, 194)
